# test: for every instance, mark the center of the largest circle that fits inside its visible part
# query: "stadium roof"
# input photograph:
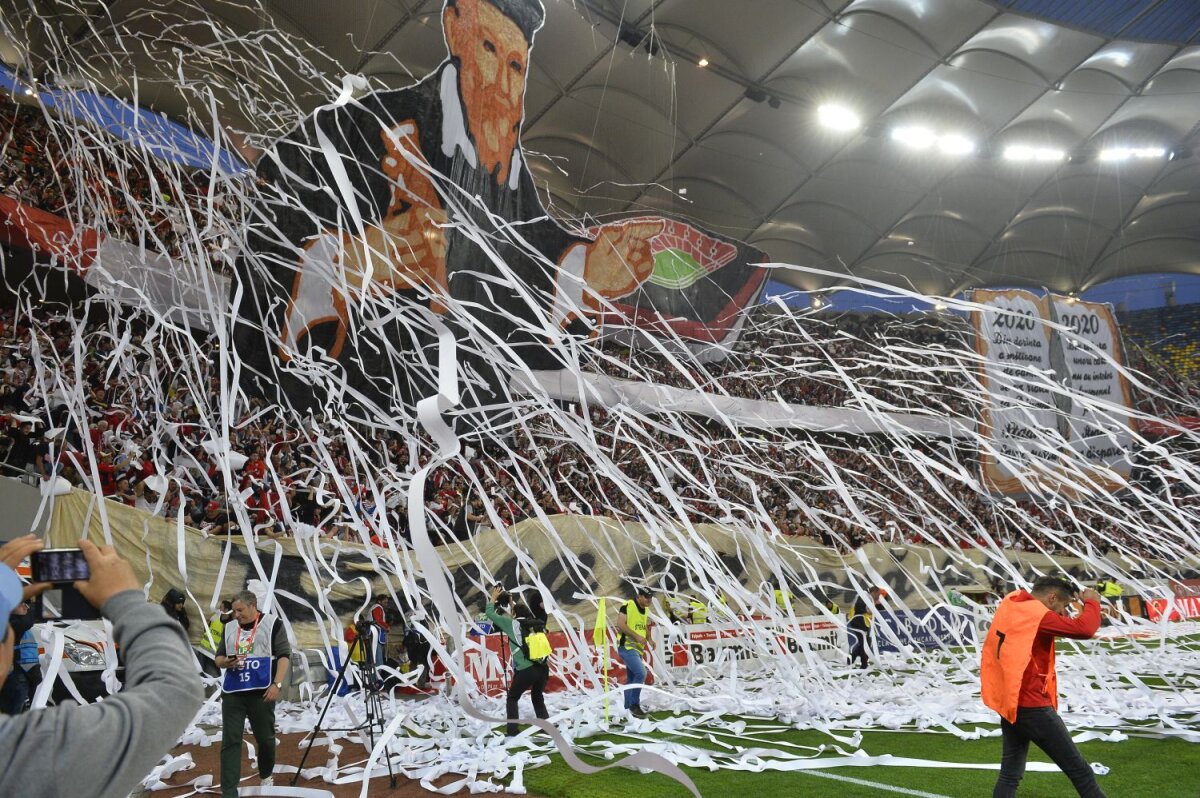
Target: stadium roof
(994, 147)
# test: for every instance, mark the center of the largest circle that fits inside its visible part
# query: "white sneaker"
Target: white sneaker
(269, 781)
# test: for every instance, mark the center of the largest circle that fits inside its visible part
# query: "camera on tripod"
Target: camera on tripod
(364, 626)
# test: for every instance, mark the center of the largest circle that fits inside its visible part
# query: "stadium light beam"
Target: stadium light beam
(955, 144)
(838, 117)
(1024, 152)
(914, 136)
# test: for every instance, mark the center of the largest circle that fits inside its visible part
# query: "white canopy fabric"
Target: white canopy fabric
(736, 145)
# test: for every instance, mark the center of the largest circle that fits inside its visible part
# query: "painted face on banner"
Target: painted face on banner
(493, 56)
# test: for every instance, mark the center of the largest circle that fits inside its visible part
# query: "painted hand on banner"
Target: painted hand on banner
(408, 249)
(405, 250)
(620, 259)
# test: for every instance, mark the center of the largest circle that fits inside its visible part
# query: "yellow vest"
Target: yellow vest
(359, 654)
(639, 621)
(699, 611)
(216, 628)
(782, 598)
(1112, 589)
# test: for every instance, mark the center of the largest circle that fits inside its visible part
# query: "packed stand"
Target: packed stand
(124, 192)
(843, 490)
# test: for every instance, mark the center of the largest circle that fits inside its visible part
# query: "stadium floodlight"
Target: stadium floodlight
(956, 144)
(914, 136)
(1023, 152)
(703, 62)
(838, 117)
(1128, 153)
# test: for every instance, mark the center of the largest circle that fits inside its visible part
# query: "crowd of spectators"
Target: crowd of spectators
(138, 421)
(142, 437)
(823, 359)
(120, 190)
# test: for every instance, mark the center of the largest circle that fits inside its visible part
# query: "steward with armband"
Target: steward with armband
(254, 654)
(1018, 679)
(530, 658)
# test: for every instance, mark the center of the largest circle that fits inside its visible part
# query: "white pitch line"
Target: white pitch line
(876, 785)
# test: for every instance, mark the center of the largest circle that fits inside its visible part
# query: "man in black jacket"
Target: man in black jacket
(862, 617)
(175, 605)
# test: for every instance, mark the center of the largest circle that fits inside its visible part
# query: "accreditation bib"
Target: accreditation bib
(255, 674)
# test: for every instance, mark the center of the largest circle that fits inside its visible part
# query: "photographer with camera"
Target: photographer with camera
(530, 656)
(107, 748)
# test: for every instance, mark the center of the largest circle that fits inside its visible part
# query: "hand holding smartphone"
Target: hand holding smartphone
(59, 566)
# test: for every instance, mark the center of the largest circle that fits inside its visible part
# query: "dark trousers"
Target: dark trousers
(235, 709)
(858, 647)
(18, 689)
(418, 656)
(534, 680)
(1043, 727)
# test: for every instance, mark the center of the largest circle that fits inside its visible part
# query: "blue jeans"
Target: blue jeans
(15, 692)
(1043, 727)
(381, 649)
(635, 671)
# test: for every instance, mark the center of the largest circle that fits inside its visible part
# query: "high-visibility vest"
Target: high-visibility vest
(699, 611)
(1112, 589)
(1007, 650)
(639, 621)
(782, 598)
(867, 616)
(216, 628)
(359, 653)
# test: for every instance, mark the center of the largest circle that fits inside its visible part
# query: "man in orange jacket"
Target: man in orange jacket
(1018, 679)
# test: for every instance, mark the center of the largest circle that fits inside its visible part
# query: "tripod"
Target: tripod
(372, 687)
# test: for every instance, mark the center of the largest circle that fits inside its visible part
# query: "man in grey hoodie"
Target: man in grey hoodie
(105, 749)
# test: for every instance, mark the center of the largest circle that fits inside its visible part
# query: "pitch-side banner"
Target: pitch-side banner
(1099, 427)
(1019, 422)
(692, 646)
(933, 627)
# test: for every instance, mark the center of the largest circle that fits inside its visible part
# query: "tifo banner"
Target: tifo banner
(934, 627)
(697, 645)
(384, 211)
(1099, 427)
(1020, 420)
(1057, 415)
(700, 285)
(128, 273)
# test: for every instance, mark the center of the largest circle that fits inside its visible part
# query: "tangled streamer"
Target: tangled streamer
(365, 342)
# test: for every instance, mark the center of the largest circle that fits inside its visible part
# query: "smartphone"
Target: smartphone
(64, 603)
(59, 566)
